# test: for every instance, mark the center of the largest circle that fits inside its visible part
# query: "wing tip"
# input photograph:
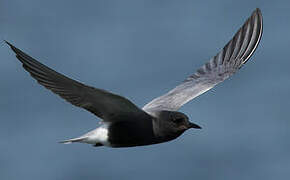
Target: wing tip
(8, 43)
(257, 12)
(255, 19)
(14, 49)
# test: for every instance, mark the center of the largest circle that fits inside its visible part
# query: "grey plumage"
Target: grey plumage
(102, 103)
(236, 53)
(124, 124)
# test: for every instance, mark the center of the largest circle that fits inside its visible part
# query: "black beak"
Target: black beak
(192, 125)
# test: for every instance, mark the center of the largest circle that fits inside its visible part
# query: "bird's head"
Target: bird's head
(172, 123)
(180, 121)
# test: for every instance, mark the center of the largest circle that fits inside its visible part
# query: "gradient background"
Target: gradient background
(141, 49)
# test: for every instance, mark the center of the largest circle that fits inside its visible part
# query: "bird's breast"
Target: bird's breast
(131, 133)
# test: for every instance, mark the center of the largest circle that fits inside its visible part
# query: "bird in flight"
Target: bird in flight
(123, 123)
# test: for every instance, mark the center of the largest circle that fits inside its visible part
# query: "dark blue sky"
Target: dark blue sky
(141, 49)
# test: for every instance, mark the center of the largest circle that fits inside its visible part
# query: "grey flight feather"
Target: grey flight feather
(220, 67)
(99, 102)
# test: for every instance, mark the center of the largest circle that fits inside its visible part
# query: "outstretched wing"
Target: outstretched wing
(220, 67)
(99, 102)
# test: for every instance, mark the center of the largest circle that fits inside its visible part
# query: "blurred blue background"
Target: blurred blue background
(141, 49)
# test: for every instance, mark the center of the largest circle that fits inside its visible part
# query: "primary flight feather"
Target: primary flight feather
(236, 53)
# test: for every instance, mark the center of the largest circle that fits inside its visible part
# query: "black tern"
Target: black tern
(123, 123)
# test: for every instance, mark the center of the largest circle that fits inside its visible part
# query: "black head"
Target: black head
(172, 123)
(180, 121)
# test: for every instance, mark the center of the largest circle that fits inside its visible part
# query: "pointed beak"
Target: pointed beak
(195, 126)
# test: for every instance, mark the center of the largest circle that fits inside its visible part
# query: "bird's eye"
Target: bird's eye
(177, 120)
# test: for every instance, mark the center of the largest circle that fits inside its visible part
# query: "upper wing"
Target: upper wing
(99, 102)
(220, 67)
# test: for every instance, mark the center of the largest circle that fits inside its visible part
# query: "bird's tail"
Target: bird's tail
(69, 141)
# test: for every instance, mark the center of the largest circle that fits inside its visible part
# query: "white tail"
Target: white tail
(69, 141)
